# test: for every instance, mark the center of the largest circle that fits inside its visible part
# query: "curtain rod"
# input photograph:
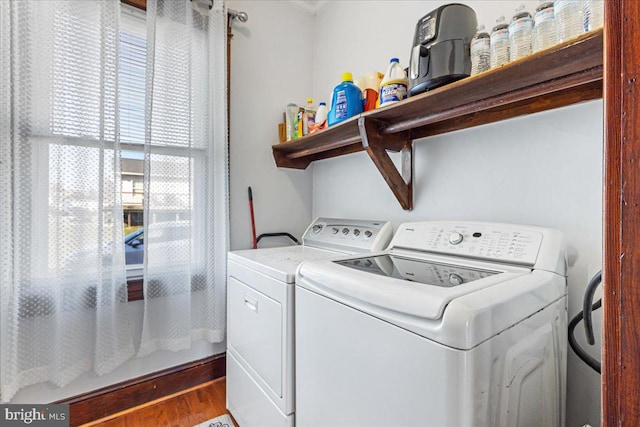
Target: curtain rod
(234, 14)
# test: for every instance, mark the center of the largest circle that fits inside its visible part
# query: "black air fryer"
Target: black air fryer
(440, 52)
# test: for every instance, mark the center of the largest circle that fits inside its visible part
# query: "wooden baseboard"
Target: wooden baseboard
(118, 397)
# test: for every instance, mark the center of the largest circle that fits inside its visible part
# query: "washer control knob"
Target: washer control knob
(368, 234)
(356, 232)
(335, 230)
(317, 228)
(455, 279)
(345, 231)
(455, 238)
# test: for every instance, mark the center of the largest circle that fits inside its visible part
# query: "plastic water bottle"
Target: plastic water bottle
(394, 85)
(593, 14)
(544, 26)
(520, 29)
(568, 19)
(480, 52)
(499, 41)
(346, 102)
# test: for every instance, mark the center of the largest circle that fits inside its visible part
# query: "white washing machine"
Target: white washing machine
(455, 324)
(260, 310)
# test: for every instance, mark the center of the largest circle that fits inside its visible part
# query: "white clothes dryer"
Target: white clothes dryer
(455, 324)
(260, 312)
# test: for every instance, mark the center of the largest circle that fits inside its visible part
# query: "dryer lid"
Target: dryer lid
(279, 263)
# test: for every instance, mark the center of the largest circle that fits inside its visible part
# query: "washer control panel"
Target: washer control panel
(347, 235)
(494, 242)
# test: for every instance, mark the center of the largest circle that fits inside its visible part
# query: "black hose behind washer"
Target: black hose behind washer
(296, 241)
(587, 308)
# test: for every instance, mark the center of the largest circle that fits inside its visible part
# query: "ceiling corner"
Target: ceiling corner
(310, 6)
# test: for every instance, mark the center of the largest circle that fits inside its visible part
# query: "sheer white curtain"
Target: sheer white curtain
(62, 273)
(186, 185)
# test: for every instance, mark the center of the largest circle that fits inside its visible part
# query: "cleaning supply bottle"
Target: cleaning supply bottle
(300, 122)
(393, 87)
(290, 121)
(369, 84)
(321, 114)
(320, 121)
(346, 102)
(308, 117)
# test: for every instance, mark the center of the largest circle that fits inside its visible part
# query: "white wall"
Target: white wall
(271, 65)
(544, 169)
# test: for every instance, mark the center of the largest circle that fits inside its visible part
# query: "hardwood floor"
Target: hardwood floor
(185, 409)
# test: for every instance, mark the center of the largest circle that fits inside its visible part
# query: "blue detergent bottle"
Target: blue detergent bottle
(347, 100)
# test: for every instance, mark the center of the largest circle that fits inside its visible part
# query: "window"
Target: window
(132, 75)
(176, 161)
(61, 190)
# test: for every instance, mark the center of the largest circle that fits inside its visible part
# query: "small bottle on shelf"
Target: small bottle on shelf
(299, 122)
(308, 117)
(593, 14)
(290, 121)
(321, 114)
(480, 52)
(320, 120)
(520, 30)
(544, 26)
(568, 15)
(499, 43)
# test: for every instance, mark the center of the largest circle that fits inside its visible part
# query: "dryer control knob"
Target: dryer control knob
(455, 279)
(455, 238)
(345, 231)
(356, 232)
(316, 228)
(368, 234)
(335, 230)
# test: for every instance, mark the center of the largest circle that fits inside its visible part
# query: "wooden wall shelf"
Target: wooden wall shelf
(565, 74)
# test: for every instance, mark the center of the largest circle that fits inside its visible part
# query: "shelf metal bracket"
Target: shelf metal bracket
(376, 145)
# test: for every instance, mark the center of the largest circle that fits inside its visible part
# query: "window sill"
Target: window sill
(135, 290)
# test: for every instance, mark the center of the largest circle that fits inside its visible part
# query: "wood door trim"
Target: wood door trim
(621, 216)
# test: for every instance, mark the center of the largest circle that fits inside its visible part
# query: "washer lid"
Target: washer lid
(279, 263)
(418, 270)
(418, 287)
